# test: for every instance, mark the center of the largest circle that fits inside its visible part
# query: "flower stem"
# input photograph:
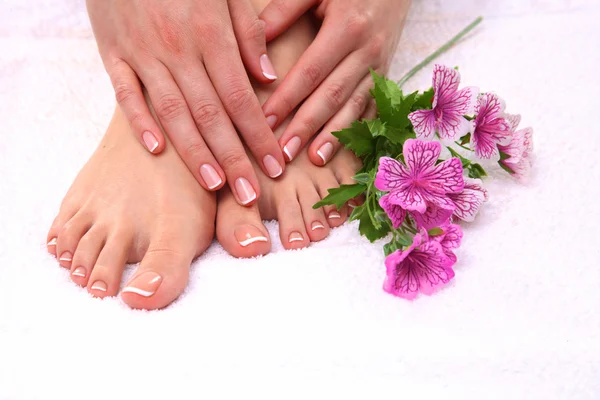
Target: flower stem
(460, 145)
(440, 51)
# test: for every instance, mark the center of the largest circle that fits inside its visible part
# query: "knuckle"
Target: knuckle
(255, 31)
(357, 25)
(239, 99)
(358, 102)
(233, 160)
(311, 74)
(124, 92)
(206, 113)
(310, 125)
(376, 45)
(195, 150)
(170, 107)
(334, 94)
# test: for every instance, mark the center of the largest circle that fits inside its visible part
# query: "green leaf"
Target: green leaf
(339, 196)
(466, 139)
(476, 171)
(423, 101)
(357, 138)
(391, 247)
(393, 107)
(368, 230)
(435, 232)
(357, 212)
(503, 155)
(363, 178)
(465, 162)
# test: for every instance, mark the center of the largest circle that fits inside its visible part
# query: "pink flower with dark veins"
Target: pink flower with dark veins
(520, 151)
(449, 107)
(423, 267)
(396, 213)
(450, 239)
(419, 182)
(490, 127)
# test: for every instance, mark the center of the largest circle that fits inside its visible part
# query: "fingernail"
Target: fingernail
(144, 284)
(272, 166)
(325, 152)
(150, 141)
(99, 285)
(245, 191)
(334, 215)
(267, 67)
(248, 234)
(272, 121)
(52, 242)
(296, 237)
(210, 176)
(66, 256)
(292, 147)
(79, 271)
(317, 225)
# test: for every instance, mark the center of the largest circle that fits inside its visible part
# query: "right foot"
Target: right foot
(127, 206)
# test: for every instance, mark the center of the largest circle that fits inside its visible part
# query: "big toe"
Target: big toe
(240, 229)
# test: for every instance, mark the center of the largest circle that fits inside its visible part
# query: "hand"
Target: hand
(332, 77)
(186, 54)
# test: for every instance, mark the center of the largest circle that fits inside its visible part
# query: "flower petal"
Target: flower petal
(420, 156)
(513, 121)
(445, 83)
(423, 122)
(446, 177)
(452, 127)
(432, 217)
(391, 174)
(431, 266)
(490, 128)
(396, 213)
(409, 197)
(469, 200)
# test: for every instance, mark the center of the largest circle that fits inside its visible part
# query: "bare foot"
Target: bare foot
(290, 198)
(127, 206)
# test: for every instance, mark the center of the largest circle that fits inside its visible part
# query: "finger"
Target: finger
(279, 15)
(326, 51)
(325, 145)
(227, 74)
(130, 97)
(324, 103)
(250, 34)
(218, 133)
(174, 115)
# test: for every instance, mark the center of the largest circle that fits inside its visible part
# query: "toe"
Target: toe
(324, 182)
(105, 276)
(314, 220)
(164, 271)
(240, 229)
(292, 229)
(86, 254)
(69, 236)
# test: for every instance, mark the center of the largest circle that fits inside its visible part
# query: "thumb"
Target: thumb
(279, 15)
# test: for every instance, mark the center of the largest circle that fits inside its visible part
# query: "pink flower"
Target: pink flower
(449, 107)
(424, 267)
(420, 182)
(490, 128)
(467, 204)
(450, 239)
(519, 150)
(396, 213)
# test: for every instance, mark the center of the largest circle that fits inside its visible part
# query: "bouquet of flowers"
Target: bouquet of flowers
(414, 192)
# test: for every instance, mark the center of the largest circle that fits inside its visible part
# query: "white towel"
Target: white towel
(520, 320)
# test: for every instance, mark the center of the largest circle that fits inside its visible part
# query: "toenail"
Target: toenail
(79, 271)
(66, 256)
(325, 152)
(99, 285)
(248, 234)
(352, 204)
(272, 166)
(52, 242)
(144, 284)
(210, 176)
(296, 237)
(272, 121)
(150, 141)
(292, 147)
(334, 215)
(245, 191)
(317, 225)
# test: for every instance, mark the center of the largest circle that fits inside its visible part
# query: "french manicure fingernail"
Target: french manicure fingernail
(267, 67)
(210, 176)
(79, 271)
(52, 242)
(325, 152)
(150, 141)
(245, 191)
(99, 285)
(145, 284)
(66, 256)
(296, 237)
(317, 225)
(248, 234)
(291, 147)
(272, 166)
(272, 121)
(334, 215)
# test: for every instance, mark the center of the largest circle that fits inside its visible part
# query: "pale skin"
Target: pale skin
(166, 219)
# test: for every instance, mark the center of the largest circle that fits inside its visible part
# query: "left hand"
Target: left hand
(332, 77)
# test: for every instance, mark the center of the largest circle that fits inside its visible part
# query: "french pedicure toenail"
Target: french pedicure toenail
(66, 256)
(272, 121)
(272, 166)
(150, 141)
(210, 176)
(325, 152)
(52, 242)
(245, 191)
(317, 225)
(296, 237)
(291, 147)
(79, 271)
(267, 67)
(99, 285)
(248, 234)
(145, 284)
(334, 215)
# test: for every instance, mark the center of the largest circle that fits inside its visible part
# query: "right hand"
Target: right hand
(186, 54)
